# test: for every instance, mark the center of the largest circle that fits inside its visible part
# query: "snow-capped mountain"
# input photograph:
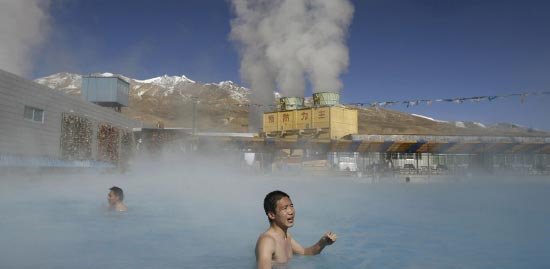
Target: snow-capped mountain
(166, 81)
(165, 85)
(168, 99)
(67, 82)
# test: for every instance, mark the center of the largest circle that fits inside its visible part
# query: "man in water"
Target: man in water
(276, 245)
(115, 198)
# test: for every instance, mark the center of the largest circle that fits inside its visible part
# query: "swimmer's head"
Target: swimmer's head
(116, 194)
(270, 201)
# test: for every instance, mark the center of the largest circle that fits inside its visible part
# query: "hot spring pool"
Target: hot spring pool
(188, 220)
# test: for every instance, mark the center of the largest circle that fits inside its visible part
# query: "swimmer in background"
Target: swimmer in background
(276, 245)
(115, 198)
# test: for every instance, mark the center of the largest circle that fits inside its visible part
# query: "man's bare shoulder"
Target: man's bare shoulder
(121, 208)
(266, 238)
(265, 244)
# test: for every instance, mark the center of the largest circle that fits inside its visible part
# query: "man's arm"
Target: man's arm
(326, 240)
(264, 252)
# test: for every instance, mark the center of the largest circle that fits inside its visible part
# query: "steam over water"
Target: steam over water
(199, 217)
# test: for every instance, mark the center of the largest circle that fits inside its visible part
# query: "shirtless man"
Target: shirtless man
(276, 245)
(115, 198)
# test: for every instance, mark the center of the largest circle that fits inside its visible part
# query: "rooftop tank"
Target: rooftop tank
(326, 98)
(105, 91)
(290, 103)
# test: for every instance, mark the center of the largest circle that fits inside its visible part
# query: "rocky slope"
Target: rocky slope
(376, 120)
(223, 107)
(169, 99)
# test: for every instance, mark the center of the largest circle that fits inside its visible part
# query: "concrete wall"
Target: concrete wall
(20, 136)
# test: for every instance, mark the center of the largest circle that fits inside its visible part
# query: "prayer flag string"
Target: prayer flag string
(410, 103)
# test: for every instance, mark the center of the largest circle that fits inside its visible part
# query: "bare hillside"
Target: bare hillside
(224, 107)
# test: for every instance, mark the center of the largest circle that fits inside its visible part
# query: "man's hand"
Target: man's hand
(329, 238)
(326, 240)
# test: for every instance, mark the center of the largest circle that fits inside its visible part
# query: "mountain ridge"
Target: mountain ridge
(223, 106)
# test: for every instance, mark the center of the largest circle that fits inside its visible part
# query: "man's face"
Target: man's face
(284, 213)
(112, 198)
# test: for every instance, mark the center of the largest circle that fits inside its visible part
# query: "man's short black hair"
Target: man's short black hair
(118, 192)
(271, 199)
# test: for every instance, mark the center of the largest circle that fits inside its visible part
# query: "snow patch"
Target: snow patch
(460, 124)
(480, 124)
(61, 81)
(428, 118)
(226, 83)
(166, 80)
(239, 94)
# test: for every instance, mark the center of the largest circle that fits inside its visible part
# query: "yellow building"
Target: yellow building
(332, 122)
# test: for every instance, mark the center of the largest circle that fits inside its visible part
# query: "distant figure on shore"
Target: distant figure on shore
(115, 198)
(276, 245)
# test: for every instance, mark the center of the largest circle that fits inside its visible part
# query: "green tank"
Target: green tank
(290, 103)
(326, 98)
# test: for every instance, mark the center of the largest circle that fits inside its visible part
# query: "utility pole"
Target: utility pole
(429, 155)
(195, 101)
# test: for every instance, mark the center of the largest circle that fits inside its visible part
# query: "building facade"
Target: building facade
(40, 126)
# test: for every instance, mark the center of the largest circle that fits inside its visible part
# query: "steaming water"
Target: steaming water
(188, 220)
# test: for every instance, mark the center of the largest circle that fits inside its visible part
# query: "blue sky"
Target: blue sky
(399, 50)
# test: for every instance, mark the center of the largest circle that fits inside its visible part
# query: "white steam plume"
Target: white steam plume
(23, 27)
(283, 41)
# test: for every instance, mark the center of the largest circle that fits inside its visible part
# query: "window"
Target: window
(34, 114)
